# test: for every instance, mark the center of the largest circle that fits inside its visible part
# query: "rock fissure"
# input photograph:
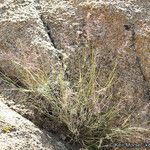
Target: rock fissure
(138, 61)
(48, 31)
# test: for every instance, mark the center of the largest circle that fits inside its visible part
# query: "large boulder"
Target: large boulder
(118, 27)
(18, 133)
(24, 42)
(119, 32)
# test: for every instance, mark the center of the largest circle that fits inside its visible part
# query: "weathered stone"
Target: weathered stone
(24, 41)
(18, 133)
(119, 32)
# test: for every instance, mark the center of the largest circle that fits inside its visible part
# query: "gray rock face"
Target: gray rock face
(18, 133)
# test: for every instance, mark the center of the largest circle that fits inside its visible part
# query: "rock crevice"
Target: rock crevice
(138, 61)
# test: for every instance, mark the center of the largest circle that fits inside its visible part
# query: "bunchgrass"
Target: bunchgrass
(92, 115)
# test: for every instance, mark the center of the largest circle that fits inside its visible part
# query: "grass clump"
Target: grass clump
(91, 113)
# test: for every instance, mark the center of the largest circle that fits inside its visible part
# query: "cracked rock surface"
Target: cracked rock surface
(119, 30)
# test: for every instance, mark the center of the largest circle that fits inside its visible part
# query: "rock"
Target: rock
(108, 24)
(18, 133)
(24, 42)
(119, 32)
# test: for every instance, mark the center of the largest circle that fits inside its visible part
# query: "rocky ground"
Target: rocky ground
(52, 33)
